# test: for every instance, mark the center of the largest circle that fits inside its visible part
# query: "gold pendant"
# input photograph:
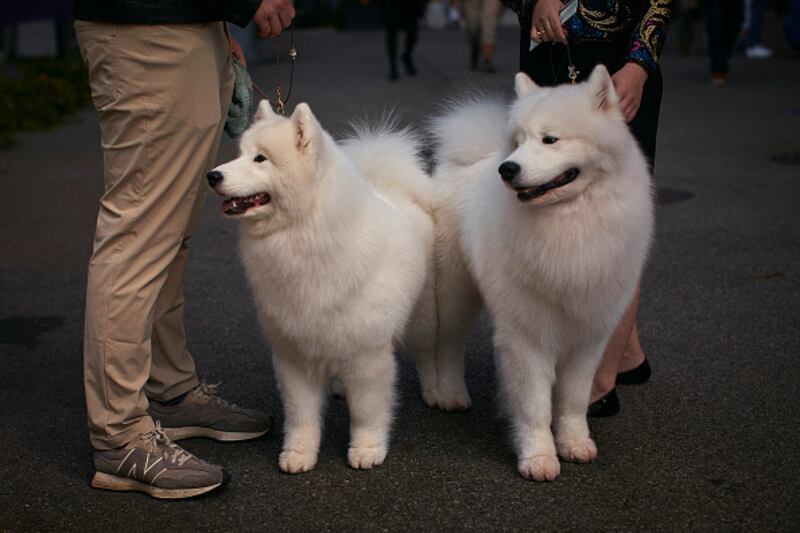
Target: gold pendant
(573, 74)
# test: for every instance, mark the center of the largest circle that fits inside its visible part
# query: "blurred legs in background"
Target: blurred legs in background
(402, 16)
(754, 12)
(723, 22)
(481, 17)
(686, 22)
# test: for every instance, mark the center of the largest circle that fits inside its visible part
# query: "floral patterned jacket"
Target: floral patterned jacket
(643, 22)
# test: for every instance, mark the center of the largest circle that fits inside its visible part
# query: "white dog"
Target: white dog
(337, 244)
(554, 244)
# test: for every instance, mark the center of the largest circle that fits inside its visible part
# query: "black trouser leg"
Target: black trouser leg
(411, 28)
(411, 37)
(723, 20)
(391, 49)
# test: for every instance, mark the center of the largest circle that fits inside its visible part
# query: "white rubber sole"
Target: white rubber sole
(104, 481)
(190, 432)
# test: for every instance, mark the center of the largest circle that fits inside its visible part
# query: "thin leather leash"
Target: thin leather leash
(572, 70)
(280, 103)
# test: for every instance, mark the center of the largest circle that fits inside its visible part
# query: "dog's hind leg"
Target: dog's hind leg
(571, 399)
(420, 341)
(369, 387)
(303, 395)
(526, 380)
(458, 303)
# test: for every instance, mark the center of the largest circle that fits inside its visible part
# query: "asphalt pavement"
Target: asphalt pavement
(708, 445)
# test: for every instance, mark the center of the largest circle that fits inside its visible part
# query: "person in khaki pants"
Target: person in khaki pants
(161, 79)
(481, 17)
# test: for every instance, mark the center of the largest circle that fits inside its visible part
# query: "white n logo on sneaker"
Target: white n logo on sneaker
(150, 467)
(125, 459)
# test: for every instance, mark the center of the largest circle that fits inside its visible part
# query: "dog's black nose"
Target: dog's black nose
(214, 177)
(509, 170)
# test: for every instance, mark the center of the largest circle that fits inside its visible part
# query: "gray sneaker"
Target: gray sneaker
(204, 414)
(154, 465)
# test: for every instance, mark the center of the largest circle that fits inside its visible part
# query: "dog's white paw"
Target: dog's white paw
(453, 400)
(431, 397)
(293, 462)
(540, 467)
(366, 457)
(578, 450)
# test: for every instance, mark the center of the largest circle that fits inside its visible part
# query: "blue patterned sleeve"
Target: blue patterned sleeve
(650, 34)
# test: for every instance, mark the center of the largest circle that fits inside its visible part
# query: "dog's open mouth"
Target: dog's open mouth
(529, 193)
(238, 206)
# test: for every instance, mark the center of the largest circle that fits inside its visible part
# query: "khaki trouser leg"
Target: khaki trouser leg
(491, 12)
(172, 372)
(161, 92)
(472, 15)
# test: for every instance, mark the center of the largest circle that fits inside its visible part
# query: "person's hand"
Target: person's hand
(237, 52)
(273, 16)
(547, 22)
(629, 84)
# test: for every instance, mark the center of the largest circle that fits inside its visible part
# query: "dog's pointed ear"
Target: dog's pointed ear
(523, 84)
(305, 125)
(264, 110)
(602, 88)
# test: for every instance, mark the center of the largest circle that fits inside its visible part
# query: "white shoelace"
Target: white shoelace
(208, 391)
(169, 450)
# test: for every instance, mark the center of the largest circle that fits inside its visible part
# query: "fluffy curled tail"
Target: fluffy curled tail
(470, 132)
(389, 157)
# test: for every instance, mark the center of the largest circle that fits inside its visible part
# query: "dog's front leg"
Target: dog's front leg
(303, 395)
(571, 399)
(526, 378)
(369, 387)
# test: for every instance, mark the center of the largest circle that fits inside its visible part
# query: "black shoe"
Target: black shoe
(411, 70)
(635, 376)
(474, 53)
(608, 405)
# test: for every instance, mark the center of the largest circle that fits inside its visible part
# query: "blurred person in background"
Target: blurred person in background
(791, 27)
(689, 13)
(402, 15)
(481, 17)
(753, 27)
(723, 23)
(453, 15)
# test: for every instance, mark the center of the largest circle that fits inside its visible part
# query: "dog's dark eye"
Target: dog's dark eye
(549, 139)
(259, 158)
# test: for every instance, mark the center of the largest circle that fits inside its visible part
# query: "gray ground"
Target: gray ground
(707, 445)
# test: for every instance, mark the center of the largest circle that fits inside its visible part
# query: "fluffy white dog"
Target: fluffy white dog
(545, 213)
(337, 244)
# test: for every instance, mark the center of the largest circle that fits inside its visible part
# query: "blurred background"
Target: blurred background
(708, 445)
(42, 79)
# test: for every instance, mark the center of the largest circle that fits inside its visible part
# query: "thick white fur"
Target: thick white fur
(341, 265)
(555, 273)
